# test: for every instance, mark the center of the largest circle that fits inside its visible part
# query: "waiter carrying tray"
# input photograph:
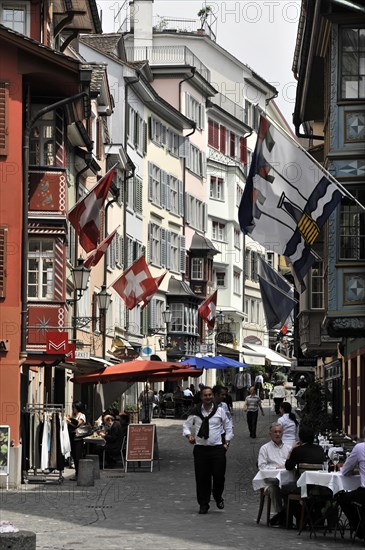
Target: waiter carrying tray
(203, 429)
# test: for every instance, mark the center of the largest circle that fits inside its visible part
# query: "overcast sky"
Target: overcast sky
(260, 33)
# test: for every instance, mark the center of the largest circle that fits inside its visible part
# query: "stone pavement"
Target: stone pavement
(140, 509)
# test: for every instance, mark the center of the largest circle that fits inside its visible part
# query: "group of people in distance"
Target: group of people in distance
(209, 427)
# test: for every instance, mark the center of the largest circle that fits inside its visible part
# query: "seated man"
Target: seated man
(346, 499)
(113, 436)
(273, 455)
(303, 452)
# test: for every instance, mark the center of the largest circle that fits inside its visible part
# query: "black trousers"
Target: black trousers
(252, 422)
(278, 401)
(210, 466)
(346, 500)
(77, 452)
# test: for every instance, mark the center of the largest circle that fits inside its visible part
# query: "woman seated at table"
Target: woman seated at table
(289, 423)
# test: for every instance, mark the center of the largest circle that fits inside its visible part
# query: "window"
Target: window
(352, 228)
(243, 150)
(237, 236)
(237, 282)
(158, 132)
(177, 318)
(154, 183)
(174, 195)
(317, 287)
(219, 231)
(220, 278)
(15, 16)
(270, 258)
(42, 141)
(216, 188)
(239, 193)
(232, 145)
(194, 160)
(173, 252)
(194, 110)
(352, 72)
(196, 212)
(222, 140)
(197, 268)
(155, 244)
(41, 269)
(131, 125)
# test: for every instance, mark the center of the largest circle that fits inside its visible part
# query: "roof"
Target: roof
(180, 288)
(107, 43)
(199, 242)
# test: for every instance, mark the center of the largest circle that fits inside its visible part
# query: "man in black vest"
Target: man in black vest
(209, 422)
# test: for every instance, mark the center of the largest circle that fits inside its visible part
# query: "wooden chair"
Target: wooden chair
(264, 494)
(360, 509)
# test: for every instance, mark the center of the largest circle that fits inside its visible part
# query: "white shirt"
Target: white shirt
(279, 391)
(187, 393)
(218, 424)
(259, 379)
(272, 456)
(290, 429)
(227, 411)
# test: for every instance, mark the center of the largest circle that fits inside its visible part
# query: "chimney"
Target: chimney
(141, 14)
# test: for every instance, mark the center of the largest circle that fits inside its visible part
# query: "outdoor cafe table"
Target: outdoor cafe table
(280, 474)
(97, 441)
(332, 480)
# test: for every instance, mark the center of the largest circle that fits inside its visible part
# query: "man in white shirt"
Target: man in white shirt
(273, 455)
(187, 393)
(209, 422)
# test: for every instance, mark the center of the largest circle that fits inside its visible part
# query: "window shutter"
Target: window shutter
(202, 116)
(215, 135)
(163, 135)
(243, 150)
(150, 181)
(99, 138)
(203, 163)
(151, 127)
(183, 147)
(163, 246)
(145, 137)
(3, 256)
(205, 217)
(168, 249)
(163, 188)
(181, 198)
(187, 105)
(150, 241)
(182, 253)
(59, 138)
(4, 118)
(210, 132)
(187, 208)
(168, 193)
(188, 156)
(222, 144)
(232, 145)
(152, 313)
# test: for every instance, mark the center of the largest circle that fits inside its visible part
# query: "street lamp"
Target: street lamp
(104, 299)
(80, 277)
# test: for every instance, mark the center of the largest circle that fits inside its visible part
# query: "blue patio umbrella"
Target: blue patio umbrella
(217, 362)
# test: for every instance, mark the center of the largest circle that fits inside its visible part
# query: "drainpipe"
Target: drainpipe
(28, 124)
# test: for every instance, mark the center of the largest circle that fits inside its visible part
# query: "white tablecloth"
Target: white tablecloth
(332, 480)
(333, 450)
(283, 476)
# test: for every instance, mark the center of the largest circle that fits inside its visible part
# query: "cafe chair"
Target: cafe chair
(360, 509)
(123, 450)
(317, 513)
(264, 494)
(291, 498)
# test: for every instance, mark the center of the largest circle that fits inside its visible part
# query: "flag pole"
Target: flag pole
(92, 189)
(315, 161)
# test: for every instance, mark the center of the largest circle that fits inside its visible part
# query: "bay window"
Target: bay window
(41, 269)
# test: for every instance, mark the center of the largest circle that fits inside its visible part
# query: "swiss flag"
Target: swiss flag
(97, 254)
(158, 281)
(85, 215)
(207, 310)
(136, 283)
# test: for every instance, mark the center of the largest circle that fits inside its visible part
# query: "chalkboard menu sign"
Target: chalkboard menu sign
(4, 450)
(140, 442)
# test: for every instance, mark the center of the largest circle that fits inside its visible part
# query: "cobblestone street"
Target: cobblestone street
(140, 509)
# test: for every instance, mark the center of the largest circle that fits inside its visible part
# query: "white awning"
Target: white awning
(276, 359)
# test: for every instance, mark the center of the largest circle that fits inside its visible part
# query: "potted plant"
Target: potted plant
(132, 411)
(203, 14)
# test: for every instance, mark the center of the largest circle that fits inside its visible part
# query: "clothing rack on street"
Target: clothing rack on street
(41, 431)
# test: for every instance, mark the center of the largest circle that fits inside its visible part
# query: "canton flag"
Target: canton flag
(276, 296)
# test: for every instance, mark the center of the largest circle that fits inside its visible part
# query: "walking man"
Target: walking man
(251, 407)
(209, 423)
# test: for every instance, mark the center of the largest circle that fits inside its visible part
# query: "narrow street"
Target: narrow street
(140, 509)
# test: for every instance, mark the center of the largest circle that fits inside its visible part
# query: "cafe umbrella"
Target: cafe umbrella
(216, 362)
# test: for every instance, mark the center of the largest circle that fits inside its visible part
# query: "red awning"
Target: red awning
(132, 371)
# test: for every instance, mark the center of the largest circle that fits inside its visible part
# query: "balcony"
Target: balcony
(230, 107)
(168, 55)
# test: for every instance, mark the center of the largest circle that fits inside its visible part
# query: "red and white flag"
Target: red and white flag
(85, 215)
(136, 283)
(207, 310)
(158, 281)
(96, 255)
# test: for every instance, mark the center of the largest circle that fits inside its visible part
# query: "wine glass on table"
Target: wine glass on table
(335, 460)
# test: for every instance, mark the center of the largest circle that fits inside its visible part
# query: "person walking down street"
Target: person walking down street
(259, 385)
(251, 407)
(278, 395)
(208, 422)
(147, 400)
(289, 422)
(273, 455)
(219, 394)
(77, 419)
(356, 459)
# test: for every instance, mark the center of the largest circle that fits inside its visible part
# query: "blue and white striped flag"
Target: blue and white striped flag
(287, 199)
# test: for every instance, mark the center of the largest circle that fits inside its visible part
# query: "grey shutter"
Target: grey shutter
(188, 155)
(182, 254)
(163, 246)
(187, 208)
(169, 140)
(183, 147)
(163, 135)
(203, 161)
(163, 180)
(187, 105)
(205, 217)
(168, 193)
(145, 315)
(152, 313)
(150, 242)
(181, 198)
(145, 137)
(168, 249)
(150, 181)
(150, 127)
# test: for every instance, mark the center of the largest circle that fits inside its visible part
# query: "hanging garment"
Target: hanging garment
(53, 450)
(38, 443)
(65, 440)
(25, 435)
(45, 442)
(60, 460)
